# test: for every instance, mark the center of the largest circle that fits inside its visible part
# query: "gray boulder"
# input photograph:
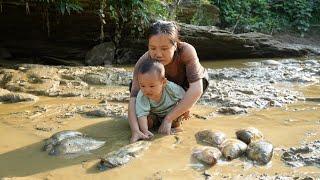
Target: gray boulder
(211, 43)
(123, 155)
(11, 97)
(102, 54)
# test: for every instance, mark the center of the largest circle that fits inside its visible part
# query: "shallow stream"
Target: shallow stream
(169, 157)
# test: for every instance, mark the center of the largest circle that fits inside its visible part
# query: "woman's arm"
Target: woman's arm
(136, 134)
(189, 99)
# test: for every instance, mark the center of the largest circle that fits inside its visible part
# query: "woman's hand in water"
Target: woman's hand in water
(137, 135)
(165, 127)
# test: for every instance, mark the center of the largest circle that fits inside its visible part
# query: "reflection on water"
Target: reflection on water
(238, 63)
(21, 155)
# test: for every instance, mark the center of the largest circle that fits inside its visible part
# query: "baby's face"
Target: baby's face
(151, 85)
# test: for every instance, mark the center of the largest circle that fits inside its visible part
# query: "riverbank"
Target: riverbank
(66, 95)
(311, 38)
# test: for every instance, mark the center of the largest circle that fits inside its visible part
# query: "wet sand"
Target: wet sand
(24, 126)
(167, 158)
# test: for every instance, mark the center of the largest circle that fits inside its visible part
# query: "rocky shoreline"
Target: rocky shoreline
(256, 86)
(231, 90)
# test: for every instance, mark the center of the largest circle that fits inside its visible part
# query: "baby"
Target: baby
(156, 98)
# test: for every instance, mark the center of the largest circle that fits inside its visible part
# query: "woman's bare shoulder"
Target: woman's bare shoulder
(188, 52)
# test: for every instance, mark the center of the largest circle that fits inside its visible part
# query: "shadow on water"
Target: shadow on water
(30, 159)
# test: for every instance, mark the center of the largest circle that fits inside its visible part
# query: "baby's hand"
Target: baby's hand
(137, 136)
(148, 134)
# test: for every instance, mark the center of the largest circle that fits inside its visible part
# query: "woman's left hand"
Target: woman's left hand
(165, 127)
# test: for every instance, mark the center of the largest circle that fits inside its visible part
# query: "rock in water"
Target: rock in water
(123, 155)
(59, 136)
(17, 97)
(260, 151)
(271, 63)
(233, 148)
(305, 155)
(249, 135)
(75, 145)
(207, 154)
(211, 137)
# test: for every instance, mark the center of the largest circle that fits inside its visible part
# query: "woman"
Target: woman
(182, 66)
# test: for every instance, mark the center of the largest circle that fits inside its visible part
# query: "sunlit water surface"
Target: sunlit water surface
(21, 155)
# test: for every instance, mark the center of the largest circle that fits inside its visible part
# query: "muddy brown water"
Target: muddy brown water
(21, 156)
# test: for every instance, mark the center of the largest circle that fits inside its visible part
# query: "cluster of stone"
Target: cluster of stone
(249, 142)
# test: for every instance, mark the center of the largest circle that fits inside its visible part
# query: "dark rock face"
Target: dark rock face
(4, 53)
(212, 43)
(75, 35)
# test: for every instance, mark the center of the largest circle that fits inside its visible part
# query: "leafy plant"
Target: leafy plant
(62, 6)
(158, 9)
(268, 15)
(299, 12)
(128, 16)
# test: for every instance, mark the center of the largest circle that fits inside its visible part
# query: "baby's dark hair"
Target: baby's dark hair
(152, 65)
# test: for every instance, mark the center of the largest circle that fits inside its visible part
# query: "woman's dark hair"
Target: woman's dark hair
(165, 27)
(169, 28)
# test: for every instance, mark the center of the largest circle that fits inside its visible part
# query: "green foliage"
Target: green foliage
(62, 6)
(132, 17)
(315, 15)
(69, 5)
(247, 15)
(128, 16)
(268, 15)
(157, 9)
(299, 14)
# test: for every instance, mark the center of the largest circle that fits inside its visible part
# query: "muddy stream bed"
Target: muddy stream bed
(57, 98)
